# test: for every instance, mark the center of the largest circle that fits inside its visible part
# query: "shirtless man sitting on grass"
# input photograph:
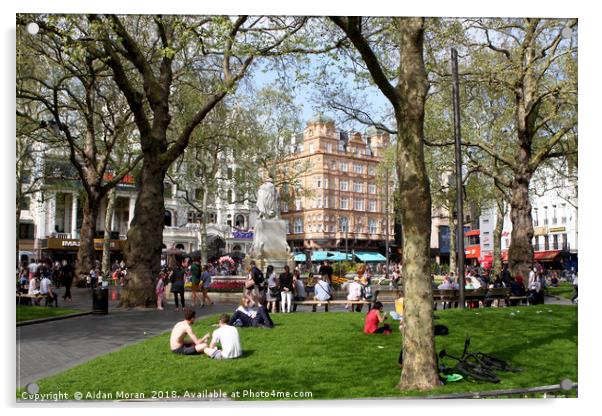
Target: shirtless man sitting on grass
(179, 332)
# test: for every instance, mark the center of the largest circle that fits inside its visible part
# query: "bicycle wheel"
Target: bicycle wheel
(476, 372)
(496, 363)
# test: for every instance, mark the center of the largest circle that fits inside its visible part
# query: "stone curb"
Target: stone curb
(53, 318)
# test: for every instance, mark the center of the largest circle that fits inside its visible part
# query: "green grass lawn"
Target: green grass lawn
(328, 355)
(27, 313)
(564, 290)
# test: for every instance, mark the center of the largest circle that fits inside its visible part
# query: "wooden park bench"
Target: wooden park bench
(27, 299)
(315, 303)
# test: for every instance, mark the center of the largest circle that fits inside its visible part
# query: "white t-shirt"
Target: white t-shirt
(33, 267)
(45, 286)
(228, 337)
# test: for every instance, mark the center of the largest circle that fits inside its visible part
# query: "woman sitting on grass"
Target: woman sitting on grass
(374, 318)
(246, 315)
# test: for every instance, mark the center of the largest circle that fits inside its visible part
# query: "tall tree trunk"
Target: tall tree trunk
(85, 252)
(420, 369)
(18, 221)
(145, 236)
(520, 253)
(452, 241)
(496, 267)
(205, 217)
(106, 245)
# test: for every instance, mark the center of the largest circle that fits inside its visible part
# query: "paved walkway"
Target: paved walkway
(52, 347)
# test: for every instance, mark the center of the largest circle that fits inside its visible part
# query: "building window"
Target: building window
(546, 243)
(372, 226)
(555, 241)
(358, 168)
(554, 217)
(229, 173)
(344, 224)
(167, 190)
(312, 148)
(25, 203)
(358, 186)
(565, 245)
(193, 217)
(344, 167)
(344, 203)
(371, 170)
(298, 204)
(329, 147)
(359, 204)
(358, 228)
(563, 213)
(212, 218)
(535, 217)
(317, 182)
(372, 206)
(230, 200)
(168, 218)
(372, 188)
(298, 226)
(239, 221)
(545, 215)
(26, 231)
(344, 185)
(331, 228)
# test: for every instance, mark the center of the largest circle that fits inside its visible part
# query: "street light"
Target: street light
(459, 188)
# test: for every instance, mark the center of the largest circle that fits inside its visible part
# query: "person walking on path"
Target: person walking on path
(195, 279)
(67, 279)
(273, 293)
(286, 290)
(160, 291)
(177, 285)
(206, 277)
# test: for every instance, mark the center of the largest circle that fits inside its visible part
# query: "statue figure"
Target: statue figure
(267, 200)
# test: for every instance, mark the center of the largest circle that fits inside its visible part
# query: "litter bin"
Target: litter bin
(100, 300)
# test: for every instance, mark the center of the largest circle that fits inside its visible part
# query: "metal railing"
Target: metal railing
(565, 389)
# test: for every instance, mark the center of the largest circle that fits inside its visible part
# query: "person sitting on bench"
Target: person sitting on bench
(375, 317)
(322, 291)
(179, 332)
(245, 315)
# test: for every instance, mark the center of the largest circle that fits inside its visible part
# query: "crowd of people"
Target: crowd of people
(43, 278)
(533, 287)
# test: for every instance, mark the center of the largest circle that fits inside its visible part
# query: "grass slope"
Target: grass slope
(28, 313)
(564, 290)
(327, 354)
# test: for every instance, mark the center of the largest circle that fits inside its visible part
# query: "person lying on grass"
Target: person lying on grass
(179, 332)
(375, 317)
(246, 315)
(228, 339)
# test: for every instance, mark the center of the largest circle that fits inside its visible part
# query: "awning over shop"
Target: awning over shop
(322, 255)
(472, 233)
(370, 257)
(549, 255)
(299, 257)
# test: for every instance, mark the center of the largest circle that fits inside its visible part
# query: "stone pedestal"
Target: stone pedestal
(269, 245)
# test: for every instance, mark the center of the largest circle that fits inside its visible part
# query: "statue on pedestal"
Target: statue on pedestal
(268, 201)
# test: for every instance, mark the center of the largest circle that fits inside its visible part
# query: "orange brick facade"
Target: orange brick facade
(340, 173)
